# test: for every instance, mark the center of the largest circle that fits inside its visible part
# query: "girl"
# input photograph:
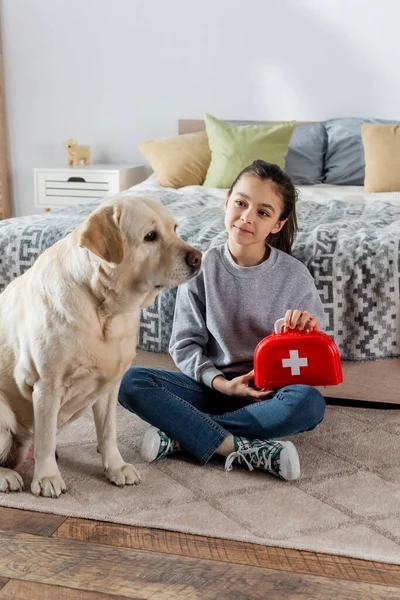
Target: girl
(245, 285)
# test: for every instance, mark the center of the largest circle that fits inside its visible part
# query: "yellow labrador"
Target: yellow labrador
(68, 329)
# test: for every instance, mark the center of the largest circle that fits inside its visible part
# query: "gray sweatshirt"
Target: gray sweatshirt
(223, 313)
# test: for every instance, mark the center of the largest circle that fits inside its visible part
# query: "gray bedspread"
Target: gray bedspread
(352, 251)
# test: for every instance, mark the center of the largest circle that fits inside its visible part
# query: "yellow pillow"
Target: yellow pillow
(180, 160)
(382, 157)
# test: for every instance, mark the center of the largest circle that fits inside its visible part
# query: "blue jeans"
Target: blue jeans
(200, 418)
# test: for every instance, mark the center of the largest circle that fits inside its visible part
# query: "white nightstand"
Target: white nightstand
(55, 188)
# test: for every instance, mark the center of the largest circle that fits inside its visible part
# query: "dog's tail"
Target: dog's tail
(9, 445)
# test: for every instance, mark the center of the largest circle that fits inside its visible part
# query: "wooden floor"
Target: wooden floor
(45, 557)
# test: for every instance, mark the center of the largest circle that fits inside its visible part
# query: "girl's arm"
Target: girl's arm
(190, 335)
(311, 303)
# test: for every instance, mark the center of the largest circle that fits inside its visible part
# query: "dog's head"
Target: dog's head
(137, 236)
(69, 144)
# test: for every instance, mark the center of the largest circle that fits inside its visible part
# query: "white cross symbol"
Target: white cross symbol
(294, 362)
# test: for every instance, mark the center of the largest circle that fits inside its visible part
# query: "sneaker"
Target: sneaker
(279, 458)
(156, 444)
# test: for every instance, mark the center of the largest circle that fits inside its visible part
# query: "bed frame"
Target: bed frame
(372, 381)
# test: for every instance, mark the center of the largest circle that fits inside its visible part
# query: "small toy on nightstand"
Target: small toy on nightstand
(76, 153)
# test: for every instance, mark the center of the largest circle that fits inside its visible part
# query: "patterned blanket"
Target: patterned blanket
(352, 251)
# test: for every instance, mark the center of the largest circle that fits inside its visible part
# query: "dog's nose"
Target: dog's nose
(193, 259)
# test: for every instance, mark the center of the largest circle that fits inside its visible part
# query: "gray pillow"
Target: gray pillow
(344, 159)
(305, 158)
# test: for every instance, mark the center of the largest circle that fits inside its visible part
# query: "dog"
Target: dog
(68, 329)
(76, 153)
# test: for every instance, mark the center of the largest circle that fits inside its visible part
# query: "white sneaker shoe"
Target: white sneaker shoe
(156, 444)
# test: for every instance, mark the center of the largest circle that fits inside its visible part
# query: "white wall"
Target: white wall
(113, 72)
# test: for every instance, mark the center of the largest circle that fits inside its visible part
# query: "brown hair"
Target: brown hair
(283, 240)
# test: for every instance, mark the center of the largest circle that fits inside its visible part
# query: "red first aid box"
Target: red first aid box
(310, 358)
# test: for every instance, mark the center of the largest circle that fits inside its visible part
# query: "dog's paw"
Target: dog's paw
(50, 487)
(124, 475)
(10, 481)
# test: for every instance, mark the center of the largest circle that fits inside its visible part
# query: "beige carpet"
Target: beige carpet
(347, 501)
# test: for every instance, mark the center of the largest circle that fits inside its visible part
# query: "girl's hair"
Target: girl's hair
(283, 240)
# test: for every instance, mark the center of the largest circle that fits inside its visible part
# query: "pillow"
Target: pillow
(382, 157)
(344, 160)
(179, 161)
(305, 158)
(234, 148)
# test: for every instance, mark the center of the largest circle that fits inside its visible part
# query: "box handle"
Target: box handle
(278, 325)
(76, 180)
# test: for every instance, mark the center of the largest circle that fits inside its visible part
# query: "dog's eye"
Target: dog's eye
(151, 237)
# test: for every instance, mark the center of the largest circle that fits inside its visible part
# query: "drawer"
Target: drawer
(60, 188)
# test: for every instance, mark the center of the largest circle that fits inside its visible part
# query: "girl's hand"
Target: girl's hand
(295, 319)
(239, 386)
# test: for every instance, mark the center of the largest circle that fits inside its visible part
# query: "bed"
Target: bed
(349, 240)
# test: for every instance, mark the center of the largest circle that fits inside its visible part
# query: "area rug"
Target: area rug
(347, 501)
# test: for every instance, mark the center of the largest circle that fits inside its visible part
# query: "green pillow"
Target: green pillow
(235, 147)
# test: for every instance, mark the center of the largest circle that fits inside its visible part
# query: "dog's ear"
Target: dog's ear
(101, 234)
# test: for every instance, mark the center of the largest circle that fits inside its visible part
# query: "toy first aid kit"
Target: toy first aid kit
(311, 358)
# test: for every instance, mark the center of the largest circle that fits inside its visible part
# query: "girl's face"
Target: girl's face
(252, 211)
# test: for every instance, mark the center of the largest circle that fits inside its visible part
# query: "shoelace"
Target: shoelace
(242, 454)
(172, 445)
